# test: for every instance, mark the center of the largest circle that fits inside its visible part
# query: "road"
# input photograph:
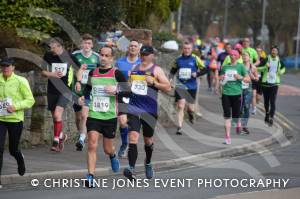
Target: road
(246, 167)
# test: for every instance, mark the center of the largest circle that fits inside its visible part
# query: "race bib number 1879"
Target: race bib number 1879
(100, 104)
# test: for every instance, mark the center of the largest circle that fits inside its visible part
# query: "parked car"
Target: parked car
(289, 61)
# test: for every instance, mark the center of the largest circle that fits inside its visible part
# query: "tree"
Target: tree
(92, 16)
(148, 13)
(14, 14)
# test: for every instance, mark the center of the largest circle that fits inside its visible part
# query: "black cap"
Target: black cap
(146, 50)
(6, 61)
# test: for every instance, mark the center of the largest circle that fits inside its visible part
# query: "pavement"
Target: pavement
(200, 143)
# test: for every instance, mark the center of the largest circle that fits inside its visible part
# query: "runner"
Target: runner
(15, 97)
(102, 90)
(239, 48)
(253, 54)
(125, 64)
(256, 85)
(146, 80)
(89, 61)
(271, 73)
(186, 67)
(224, 54)
(211, 66)
(231, 77)
(60, 76)
(247, 92)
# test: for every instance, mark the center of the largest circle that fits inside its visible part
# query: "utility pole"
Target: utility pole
(297, 43)
(225, 19)
(179, 18)
(263, 26)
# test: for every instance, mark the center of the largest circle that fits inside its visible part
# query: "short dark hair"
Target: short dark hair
(111, 48)
(56, 40)
(187, 43)
(87, 36)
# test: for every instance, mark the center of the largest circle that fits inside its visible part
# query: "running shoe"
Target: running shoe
(271, 121)
(148, 171)
(129, 173)
(89, 182)
(55, 146)
(253, 111)
(227, 141)
(267, 118)
(179, 131)
(61, 144)
(79, 145)
(115, 164)
(21, 166)
(191, 117)
(122, 151)
(245, 131)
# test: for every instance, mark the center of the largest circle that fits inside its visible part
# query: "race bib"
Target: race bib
(271, 77)
(273, 66)
(139, 87)
(245, 85)
(85, 76)
(185, 73)
(4, 103)
(101, 104)
(229, 75)
(60, 67)
(98, 91)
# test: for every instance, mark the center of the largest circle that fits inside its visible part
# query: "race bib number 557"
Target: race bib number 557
(60, 67)
(4, 103)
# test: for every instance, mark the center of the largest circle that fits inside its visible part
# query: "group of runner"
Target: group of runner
(106, 93)
(241, 75)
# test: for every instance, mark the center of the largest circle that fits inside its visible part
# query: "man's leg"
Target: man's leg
(57, 127)
(124, 135)
(180, 115)
(93, 137)
(82, 128)
(149, 124)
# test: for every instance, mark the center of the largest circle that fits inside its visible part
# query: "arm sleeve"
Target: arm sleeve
(124, 88)
(28, 100)
(88, 88)
(173, 70)
(282, 68)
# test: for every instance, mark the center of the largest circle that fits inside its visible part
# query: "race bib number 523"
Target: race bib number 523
(139, 87)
